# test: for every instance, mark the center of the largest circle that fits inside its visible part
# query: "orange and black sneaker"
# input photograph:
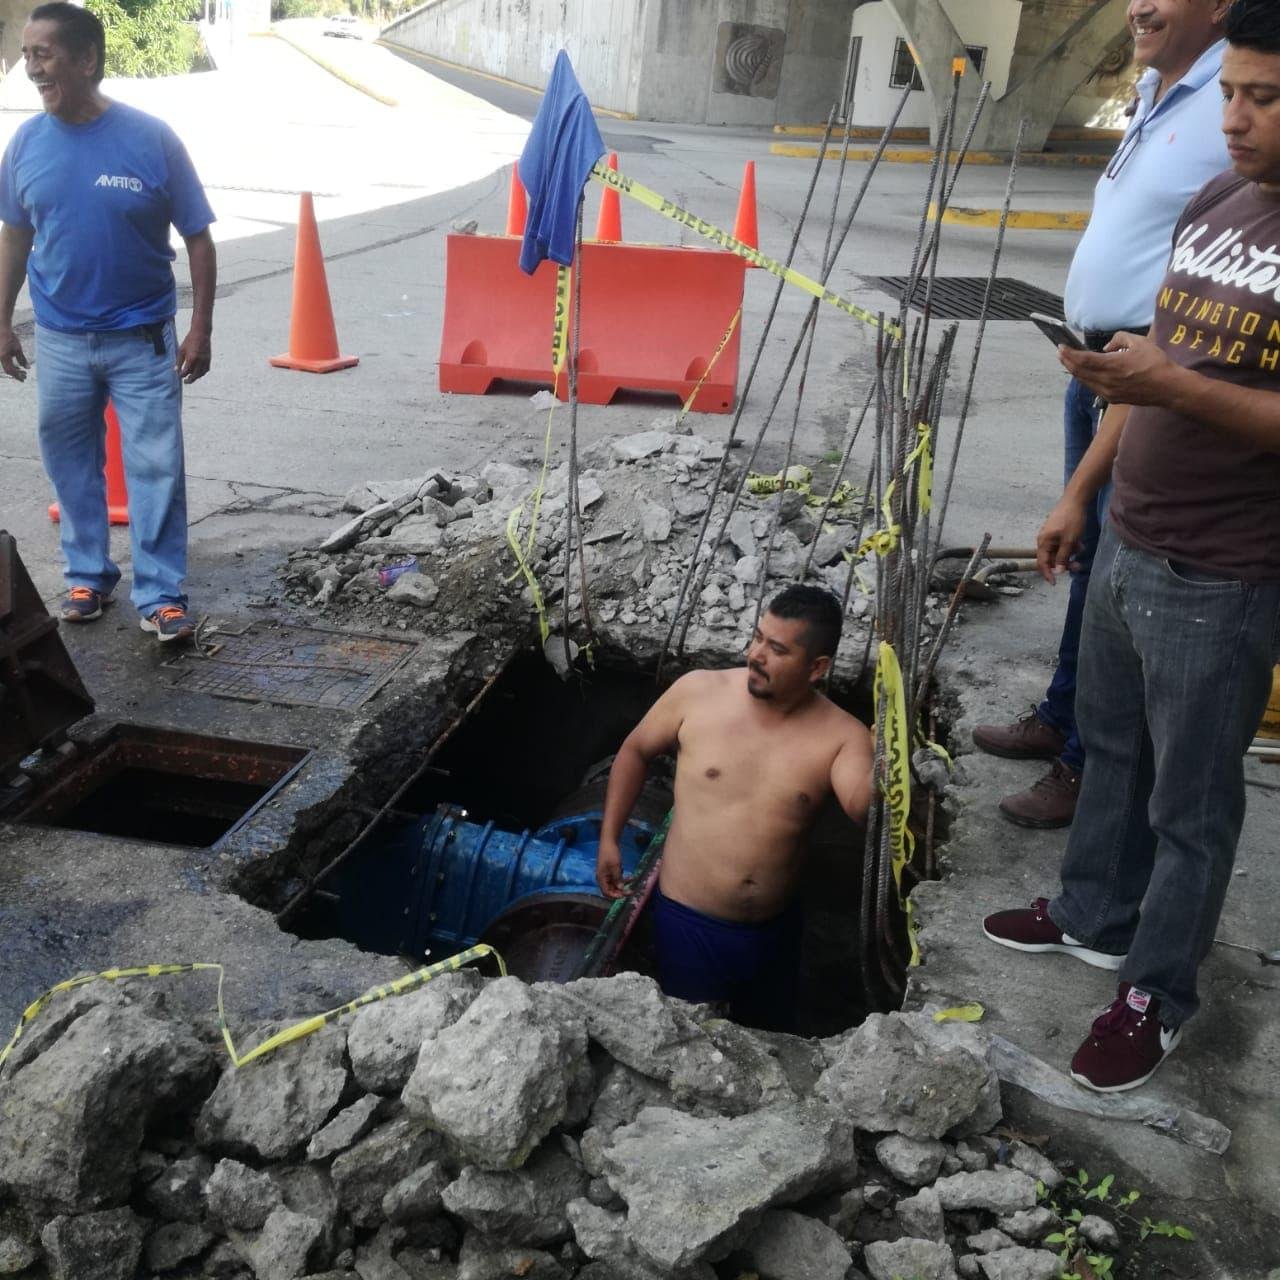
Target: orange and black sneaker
(82, 604)
(169, 622)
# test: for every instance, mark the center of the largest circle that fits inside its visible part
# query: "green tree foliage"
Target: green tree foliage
(148, 37)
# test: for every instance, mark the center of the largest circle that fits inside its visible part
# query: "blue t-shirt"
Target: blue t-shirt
(101, 197)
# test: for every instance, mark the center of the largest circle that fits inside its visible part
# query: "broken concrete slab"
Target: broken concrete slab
(919, 1259)
(349, 1125)
(1020, 1264)
(892, 1074)
(105, 1245)
(385, 1038)
(525, 1206)
(74, 1116)
(695, 1187)
(271, 1110)
(241, 1197)
(363, 1175)
(535, 1060)
(998, 1191)
(791, 1246)
(914, 1161)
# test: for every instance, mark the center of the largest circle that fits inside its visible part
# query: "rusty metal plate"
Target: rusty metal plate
(293, 666)
(41, 694)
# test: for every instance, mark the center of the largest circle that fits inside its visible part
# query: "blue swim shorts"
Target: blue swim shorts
(754, 968)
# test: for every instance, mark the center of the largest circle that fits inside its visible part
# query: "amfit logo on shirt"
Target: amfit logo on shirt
(119, 180)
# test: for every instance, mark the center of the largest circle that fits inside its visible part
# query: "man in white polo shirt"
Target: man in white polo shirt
(1172, 147)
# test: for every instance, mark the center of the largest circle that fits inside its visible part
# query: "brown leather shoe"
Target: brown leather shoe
(1047, 803)
(1026, 739)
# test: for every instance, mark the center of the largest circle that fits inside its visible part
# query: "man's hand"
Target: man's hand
(194, 355)
(13, 360)
(1060, 537)
(609, 870)
(1132, 370)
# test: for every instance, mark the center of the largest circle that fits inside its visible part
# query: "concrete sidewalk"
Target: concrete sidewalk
(270, 452)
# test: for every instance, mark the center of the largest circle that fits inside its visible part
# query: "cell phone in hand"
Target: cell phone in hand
(1059, 332)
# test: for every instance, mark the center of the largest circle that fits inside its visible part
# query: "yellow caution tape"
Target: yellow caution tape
(399, 987)
(961, 1013)
(706, 373)
(523, 567)
(560, 326)
(921, 457)
(669, 209)
(891, 711)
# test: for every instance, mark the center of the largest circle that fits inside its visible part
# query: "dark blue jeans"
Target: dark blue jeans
(1058, 710)
(1175, 672)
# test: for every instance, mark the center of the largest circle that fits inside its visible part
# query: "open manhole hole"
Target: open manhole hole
(149, 783)
(496, 842)
(294, 666)
(960, 297)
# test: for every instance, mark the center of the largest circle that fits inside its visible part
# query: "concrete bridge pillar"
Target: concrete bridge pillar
(1046, 71)
(13, 17)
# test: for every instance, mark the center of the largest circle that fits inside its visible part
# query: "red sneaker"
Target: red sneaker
(1030, 929)
(1126, 1044)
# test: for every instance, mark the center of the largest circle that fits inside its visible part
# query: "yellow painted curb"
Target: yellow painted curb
(488, 75)
(923, 155)
(334, 70)
(911, 133)
(1022, 219)
(858, 131)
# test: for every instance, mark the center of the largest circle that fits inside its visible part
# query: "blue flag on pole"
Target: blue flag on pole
(555, 165)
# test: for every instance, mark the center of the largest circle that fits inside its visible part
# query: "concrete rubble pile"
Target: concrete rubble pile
(643, 497)
(481, 1129)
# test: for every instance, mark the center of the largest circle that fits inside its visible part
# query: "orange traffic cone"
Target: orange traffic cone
(313, 341)
(744, 226)
(517, 204)
(117, 493)
(609, 224)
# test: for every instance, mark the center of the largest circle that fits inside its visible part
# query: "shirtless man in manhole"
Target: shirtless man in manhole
(758, 749)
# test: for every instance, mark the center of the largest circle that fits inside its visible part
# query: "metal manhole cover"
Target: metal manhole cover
(960, 297)
(296, 666)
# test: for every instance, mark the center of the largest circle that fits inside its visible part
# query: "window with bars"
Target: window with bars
(905, 72)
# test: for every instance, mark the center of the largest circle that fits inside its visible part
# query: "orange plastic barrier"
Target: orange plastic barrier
(653, 318)
(117, 493)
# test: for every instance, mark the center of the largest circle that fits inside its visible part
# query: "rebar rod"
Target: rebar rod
(685, 581)
(983, 316)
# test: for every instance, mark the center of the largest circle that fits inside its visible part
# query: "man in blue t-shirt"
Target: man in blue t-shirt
(88, 192)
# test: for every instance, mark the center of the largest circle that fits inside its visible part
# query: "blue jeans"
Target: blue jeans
(1058, 710)
(77, 373)
(1175, 672)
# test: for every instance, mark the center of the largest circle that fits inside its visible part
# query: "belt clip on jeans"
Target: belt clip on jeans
(155, 332)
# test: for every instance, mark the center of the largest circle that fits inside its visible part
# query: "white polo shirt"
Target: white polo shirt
(1169, 152)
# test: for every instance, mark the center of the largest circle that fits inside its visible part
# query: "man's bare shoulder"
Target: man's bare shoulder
(700, 685)
(839, 722)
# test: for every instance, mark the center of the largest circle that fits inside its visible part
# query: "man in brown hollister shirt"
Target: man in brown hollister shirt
(1182, 619)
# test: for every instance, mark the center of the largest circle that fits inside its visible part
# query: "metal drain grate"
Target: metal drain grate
(960, 297)
(296, 666)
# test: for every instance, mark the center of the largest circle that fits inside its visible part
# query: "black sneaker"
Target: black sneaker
(169, 622)
(82, 604)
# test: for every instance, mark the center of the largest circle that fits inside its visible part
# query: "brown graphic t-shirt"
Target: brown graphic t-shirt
(1185, 491)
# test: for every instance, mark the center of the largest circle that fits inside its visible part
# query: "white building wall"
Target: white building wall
(993, 23)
